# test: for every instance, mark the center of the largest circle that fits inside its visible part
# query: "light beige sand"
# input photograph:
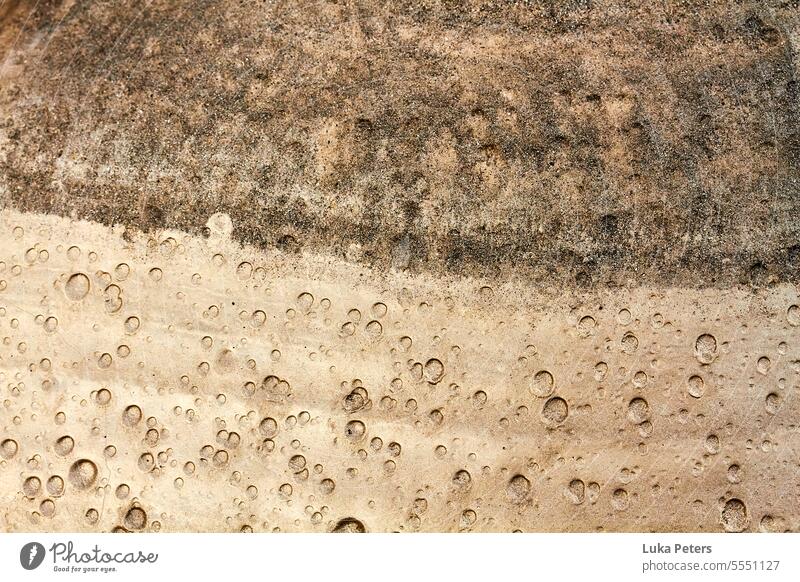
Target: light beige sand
(172, 383)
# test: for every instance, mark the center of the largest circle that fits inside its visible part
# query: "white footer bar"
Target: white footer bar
(407, 557)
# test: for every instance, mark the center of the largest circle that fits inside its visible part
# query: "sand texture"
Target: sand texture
(378, 266)
(181, 383)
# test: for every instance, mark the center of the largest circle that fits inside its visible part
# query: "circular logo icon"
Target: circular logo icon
(31, 555)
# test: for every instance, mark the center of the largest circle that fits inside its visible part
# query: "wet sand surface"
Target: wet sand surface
(367, 266)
